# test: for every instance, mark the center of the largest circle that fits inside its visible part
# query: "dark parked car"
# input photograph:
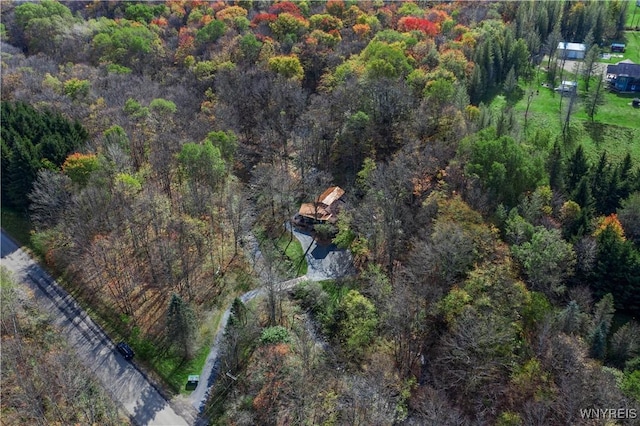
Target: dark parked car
(125, 350)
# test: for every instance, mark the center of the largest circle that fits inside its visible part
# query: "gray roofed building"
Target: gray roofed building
(571, 50)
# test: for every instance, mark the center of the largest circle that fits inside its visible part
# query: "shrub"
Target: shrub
(163, 106)
(275, 335)
(311, 295)
(76, 89)
(325, 22)
(263, 17)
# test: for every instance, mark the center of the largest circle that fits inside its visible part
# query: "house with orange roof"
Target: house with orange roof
(324, 209)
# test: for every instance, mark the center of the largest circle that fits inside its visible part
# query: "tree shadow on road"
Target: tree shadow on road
(148, 405)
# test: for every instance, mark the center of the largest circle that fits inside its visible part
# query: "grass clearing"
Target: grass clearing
(175, 370)
(632, 40)
(292, 249)
(616, 128)
(633, 15)
(632, 48)
(286, 250)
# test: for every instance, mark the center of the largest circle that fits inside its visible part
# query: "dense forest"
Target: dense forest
(496, 246)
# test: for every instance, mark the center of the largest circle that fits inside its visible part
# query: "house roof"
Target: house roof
(617, 45)
(321, 209)
(314, 211)
(331, 195)
(625, 67)
(572, 46)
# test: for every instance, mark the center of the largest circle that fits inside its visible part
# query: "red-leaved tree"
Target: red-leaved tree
(410, 23)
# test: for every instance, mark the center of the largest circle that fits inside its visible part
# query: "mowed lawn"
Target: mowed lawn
(633, 15)
(632, 48)
(616, 126)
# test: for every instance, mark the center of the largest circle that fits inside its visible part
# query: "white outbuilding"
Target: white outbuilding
(571, 51)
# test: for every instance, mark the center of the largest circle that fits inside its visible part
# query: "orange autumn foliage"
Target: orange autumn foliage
(361, 30)
(206, 19)
(161, 21)
(437, 16)
(611, 222)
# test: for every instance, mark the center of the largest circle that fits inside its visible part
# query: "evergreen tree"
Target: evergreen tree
(238, 313)
(510, 84)
(577, 168)
(603, 313)
(476, 86)
(571, 319)
(32, 140)
(600, 182)
(181, 326)
(582, 225)
(612, 198)
(617, 270)
(582, 195)
(589, 39)
(598, 342)
(552, 41)
(20, 174)
(625, 344)
(555, 166)
(625, 173)
(590, 64)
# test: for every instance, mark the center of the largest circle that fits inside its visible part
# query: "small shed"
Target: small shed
(571, 51)
(618, 47)
(192, 382)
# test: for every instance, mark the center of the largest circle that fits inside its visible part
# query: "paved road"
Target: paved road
(141, 400)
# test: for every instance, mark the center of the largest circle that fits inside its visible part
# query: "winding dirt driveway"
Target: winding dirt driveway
(324, 262)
